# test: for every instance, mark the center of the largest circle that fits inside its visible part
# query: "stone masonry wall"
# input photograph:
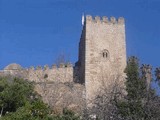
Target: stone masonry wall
(62, 95)
(105, 53)
(55, 74)
(63, 73)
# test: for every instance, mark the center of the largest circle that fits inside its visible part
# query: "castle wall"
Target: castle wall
(55, 74)
(105, 53)
(62, 95)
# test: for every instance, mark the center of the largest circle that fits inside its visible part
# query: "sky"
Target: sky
(36, 32)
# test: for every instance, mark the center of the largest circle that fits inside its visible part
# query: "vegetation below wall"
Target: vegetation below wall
(18, 101)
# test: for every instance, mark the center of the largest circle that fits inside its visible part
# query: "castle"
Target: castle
(102, 58)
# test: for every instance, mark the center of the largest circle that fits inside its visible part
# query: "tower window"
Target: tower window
(105, 54)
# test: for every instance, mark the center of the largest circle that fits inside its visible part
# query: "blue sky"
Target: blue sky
(36, 32)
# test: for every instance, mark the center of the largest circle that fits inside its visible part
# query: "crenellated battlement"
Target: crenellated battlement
(47, 67)
(104, 19)
(59, 73)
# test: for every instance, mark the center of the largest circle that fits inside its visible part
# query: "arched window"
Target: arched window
(105, 53)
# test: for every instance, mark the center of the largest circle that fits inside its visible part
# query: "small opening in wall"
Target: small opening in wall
(45, 76)
(105, 54)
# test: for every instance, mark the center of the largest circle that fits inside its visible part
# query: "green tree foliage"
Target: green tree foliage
(67, 115)
(135, 86)
(140, 103)
(136, 89)
(18, 101)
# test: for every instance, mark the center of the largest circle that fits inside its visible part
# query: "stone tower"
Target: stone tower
(102, 53)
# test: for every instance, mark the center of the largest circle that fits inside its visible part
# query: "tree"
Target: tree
(18, 101)
(104, 105)
(141, 102)
(106, 102)
(132, 107)
(17, 98)
(157, 74)
(62, 59)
